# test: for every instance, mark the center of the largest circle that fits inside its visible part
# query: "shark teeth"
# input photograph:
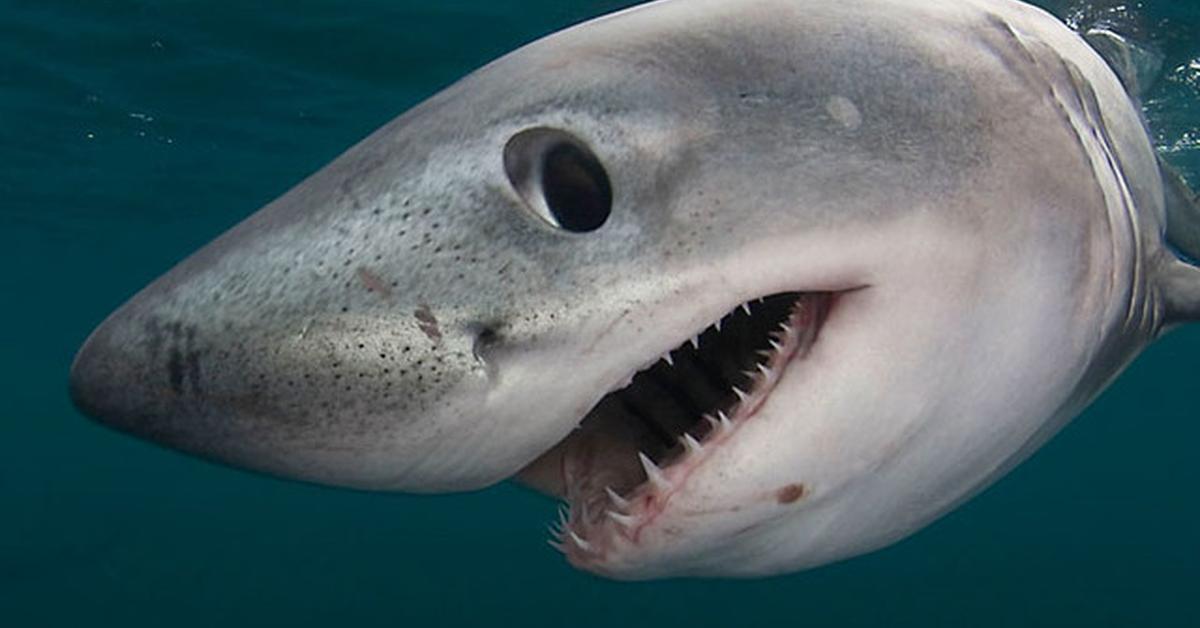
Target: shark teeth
(600, 520)
(654, 475)
(579, 541)
(726, 423)
(617, 500)
(625, 521)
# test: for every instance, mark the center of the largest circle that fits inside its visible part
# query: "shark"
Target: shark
(750, 286)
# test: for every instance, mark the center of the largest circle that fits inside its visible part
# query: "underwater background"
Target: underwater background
(132, 132)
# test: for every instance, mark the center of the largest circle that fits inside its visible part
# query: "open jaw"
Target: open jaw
(638, 447)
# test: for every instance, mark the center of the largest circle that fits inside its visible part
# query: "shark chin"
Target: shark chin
(750, 287)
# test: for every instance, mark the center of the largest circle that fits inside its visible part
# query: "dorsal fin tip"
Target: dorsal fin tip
(1137, 65)
(1181, 280)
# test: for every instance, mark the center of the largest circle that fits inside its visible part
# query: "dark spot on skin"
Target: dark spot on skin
(154, 340)
(428, 323)
(182, 359)
(192, 357)
(175, 370)
(790, 494)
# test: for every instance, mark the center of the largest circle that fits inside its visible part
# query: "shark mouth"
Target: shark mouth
(638, 446)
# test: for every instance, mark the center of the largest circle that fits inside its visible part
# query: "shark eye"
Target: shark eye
(559, 178)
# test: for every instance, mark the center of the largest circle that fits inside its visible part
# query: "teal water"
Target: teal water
(132, 132)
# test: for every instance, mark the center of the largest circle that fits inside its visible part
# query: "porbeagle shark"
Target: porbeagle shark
(751, 285)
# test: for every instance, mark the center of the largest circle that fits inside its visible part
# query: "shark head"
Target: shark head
(750, 286)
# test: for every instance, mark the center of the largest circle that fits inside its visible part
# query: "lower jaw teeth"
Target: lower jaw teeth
(782, 343)
(654, 475)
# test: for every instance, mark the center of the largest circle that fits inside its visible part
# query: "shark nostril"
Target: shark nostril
(486, 336)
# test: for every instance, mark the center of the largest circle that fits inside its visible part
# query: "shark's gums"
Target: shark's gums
(750, 285)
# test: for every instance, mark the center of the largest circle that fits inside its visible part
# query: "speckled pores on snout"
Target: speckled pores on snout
(313, 340)
(402, 318)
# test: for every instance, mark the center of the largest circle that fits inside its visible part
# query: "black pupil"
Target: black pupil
(576, 188)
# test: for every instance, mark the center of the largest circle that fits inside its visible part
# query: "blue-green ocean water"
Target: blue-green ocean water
(132, 132)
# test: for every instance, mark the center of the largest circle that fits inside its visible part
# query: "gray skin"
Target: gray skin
(406, 318)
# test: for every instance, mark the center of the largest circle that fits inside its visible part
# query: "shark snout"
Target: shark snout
(161, 378)
(139, 371)
(233, 364)
(98, 384)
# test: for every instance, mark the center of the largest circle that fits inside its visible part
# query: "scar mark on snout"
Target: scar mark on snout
(428, 323)
(374, 283)
(790, 494)
(607, 330)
